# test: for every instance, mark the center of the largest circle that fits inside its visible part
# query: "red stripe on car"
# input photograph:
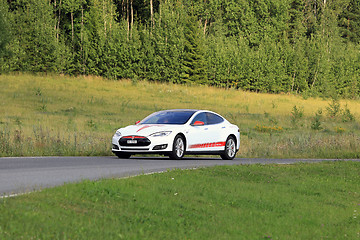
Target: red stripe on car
(133, 137)
(143, 128)
(208, 145)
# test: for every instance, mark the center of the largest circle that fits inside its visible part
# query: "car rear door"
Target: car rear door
(216, 127)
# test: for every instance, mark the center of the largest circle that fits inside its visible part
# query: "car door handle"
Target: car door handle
(205, 128)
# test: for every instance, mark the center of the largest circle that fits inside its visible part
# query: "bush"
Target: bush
(316, 124)
(334, 108)
(296, 114)
(347, 116)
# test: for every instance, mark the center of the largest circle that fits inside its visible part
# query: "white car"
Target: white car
(178, 132)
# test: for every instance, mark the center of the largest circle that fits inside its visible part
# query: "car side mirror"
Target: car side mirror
(136, 123)
(198, 123)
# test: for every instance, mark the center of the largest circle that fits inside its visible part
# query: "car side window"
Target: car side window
(200, 117)
(213, 118)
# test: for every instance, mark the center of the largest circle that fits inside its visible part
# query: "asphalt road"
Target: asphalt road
(26, 174)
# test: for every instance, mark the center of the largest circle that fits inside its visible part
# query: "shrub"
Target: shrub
(316, 124)
(296, 114)
(271, 119)
(347, 116)
(334, 108)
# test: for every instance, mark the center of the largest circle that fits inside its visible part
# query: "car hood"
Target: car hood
(147, 129)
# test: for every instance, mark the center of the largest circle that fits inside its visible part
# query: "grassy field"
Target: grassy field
(60, 115)
(300, 201)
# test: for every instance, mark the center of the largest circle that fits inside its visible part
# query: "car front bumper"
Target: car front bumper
(157, 145)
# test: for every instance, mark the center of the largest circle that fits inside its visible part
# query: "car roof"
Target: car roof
(180, 110)
(187, 110)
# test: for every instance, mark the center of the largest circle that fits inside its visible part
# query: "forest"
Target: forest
(310, 47)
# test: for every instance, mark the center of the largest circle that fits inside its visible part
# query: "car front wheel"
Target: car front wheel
(178, 150)
(230, 149)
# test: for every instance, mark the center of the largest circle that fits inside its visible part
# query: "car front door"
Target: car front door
(202, 136)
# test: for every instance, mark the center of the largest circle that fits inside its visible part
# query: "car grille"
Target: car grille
(135, 149)
(129, 141)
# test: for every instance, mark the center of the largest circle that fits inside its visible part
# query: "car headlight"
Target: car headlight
(118, 133)
(160, 134)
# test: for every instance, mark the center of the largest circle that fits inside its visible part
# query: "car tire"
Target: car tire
(178, 150)
(230, 149)
(123, 155)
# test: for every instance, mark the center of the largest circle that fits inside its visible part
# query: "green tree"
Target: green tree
(296, 20)
(4, 28)
(34, 45)
(194, 70)
(163, 44)
(349, 21)
(72, 8)
(262, 45)
(240, 20)
(206, 11)
(227, 59)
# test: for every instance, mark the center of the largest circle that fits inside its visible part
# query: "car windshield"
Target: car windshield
(168, 117)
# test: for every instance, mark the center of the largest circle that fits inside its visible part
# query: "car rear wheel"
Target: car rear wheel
(123, 155)
(178, 150)
(230, 149)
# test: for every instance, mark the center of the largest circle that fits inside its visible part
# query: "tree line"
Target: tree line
(303, 46)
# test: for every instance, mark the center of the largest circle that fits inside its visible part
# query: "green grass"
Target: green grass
(300, 201)
(61, 115)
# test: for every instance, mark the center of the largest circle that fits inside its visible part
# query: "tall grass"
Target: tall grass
(60, 115)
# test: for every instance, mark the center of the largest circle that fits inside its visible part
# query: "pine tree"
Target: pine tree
(349, 21)
(193, 61)
(34, 44)
(4, 29)
(296, 27)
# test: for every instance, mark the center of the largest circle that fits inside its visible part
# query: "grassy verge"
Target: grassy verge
(59, 115)
(300, 201)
